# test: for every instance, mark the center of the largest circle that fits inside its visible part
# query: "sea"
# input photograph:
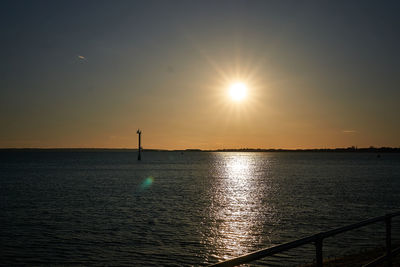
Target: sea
(188, 208)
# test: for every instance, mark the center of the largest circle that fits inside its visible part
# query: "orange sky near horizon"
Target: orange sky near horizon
(317, 77)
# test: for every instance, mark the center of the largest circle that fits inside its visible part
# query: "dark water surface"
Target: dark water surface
(194, 208)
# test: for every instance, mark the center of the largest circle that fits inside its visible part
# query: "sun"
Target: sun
(238, 91)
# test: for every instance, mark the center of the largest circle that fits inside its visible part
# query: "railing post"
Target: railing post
(388, 222)
(318, 250)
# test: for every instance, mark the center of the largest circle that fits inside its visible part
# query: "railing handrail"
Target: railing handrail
(317, 238)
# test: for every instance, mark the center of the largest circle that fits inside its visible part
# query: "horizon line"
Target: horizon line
(352, 148)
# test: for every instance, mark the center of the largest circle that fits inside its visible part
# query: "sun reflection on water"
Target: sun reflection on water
(237, 213)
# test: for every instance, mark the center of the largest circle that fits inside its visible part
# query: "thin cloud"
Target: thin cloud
(349, 131)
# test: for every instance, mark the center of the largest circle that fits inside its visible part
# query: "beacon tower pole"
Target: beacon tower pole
(139, 132)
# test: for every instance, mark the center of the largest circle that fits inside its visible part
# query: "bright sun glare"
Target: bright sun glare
(238, 91)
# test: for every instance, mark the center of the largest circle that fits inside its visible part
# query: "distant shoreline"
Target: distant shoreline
(347, 150)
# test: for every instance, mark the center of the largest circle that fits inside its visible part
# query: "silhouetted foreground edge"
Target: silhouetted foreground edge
(357, 259)
(318, 239)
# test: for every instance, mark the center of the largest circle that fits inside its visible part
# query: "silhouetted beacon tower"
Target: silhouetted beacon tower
(139, 132)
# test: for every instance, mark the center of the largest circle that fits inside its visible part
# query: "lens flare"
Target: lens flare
(147, 182)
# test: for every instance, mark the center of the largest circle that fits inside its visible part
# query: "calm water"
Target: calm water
(193, 208)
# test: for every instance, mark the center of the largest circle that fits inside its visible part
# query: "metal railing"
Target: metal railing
(318, 239)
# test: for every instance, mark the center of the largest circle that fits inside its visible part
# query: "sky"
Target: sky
(319, 74)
